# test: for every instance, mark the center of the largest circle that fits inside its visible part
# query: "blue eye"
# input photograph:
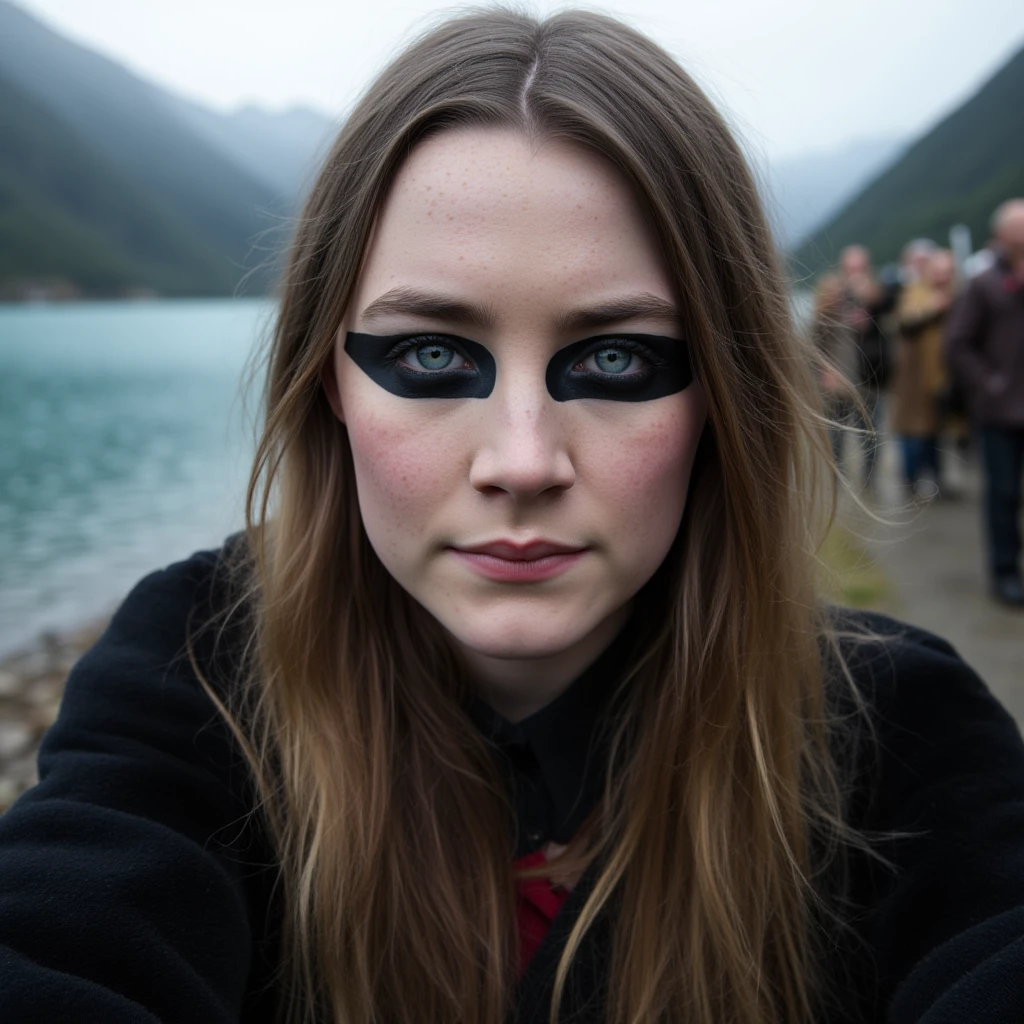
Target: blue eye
(619, 368)
(424, 365)
(615, 360)
(432, 357)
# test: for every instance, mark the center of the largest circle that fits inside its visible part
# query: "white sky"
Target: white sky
(793, 75)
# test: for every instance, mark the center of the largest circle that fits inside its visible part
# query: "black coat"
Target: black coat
(136, 887)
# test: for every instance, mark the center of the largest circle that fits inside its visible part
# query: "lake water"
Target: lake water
(124, 446)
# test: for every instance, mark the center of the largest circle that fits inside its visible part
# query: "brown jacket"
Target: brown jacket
(920, 373)
(985, 342)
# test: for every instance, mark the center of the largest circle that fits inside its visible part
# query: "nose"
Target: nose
(523, 447)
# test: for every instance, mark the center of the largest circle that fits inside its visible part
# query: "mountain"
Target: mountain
(957, 173)
(66, 213)
(281, 149)
(220, 213)
(803, 192)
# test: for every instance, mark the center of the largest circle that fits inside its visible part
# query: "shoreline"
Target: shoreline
(31, 687)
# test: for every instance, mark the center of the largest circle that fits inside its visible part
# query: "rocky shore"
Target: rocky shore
(31, 686)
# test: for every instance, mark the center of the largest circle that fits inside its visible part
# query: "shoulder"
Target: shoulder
(165, 599)
(932, 724)
(895, 665)
(940, 794)
(171, 613)
(938, 751)
(140, 838)
(988, 285)
(141, 685)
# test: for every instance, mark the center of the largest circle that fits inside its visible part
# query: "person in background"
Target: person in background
(865, 301)
(835, 342)
(986, 350)
(915, 260)
(920, 376)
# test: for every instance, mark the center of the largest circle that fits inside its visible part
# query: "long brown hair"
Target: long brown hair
(389, 818)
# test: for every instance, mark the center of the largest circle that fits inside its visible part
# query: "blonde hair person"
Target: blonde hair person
(920, 375)
(516, 699)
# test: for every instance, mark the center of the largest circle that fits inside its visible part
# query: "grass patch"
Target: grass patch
(850, 575)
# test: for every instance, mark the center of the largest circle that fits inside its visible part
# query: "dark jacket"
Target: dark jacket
(136, 886)
(985, 344)
(873, 356)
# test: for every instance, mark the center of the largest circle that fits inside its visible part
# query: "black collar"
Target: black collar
(554, 761)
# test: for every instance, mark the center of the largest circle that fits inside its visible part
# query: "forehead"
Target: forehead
(491, 211)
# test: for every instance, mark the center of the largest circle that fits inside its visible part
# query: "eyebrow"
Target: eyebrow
(430, 306)
(435, 306)
(643, 306)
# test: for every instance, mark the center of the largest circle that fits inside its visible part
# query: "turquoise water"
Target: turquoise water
(124, 445)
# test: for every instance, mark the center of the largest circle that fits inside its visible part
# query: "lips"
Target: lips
(528, 552)
(506, 561)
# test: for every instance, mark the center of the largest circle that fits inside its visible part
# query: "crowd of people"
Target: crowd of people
(934, 350)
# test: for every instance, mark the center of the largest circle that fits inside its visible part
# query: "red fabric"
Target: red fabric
(536, 906)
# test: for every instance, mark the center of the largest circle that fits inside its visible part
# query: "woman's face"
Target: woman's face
(519, 479)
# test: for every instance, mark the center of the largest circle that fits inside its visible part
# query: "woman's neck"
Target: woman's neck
(518, 687)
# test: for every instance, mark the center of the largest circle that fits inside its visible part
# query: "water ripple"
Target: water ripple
(121, 448)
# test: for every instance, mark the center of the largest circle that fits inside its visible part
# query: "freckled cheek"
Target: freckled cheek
(641, 466)
(406, 465)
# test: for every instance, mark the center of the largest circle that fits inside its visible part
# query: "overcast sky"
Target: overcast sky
(794, 76)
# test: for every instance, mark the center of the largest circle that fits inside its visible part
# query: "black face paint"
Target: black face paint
(626, 367)
(380, 357)
(651, 367)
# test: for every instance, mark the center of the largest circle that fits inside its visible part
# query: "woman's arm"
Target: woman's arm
(122, 898)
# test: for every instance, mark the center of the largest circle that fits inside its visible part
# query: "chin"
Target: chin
(519, 633)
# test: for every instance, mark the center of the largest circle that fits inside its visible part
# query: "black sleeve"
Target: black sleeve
(946, 921)
(120, 899)
(886, 302)
(965, 338)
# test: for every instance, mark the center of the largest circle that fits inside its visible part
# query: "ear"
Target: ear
(329, 381)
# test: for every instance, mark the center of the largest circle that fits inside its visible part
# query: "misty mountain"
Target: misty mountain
(958, 172)
(283, 150)
(113, 183)
(803, 192)
(125, 123)
(67, 213)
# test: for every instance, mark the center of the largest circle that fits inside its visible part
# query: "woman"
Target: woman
(921, 377)
(528, 581)
(836, 345)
